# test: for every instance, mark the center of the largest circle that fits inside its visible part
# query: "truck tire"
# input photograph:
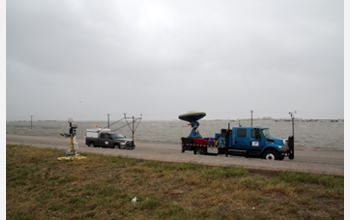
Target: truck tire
(91, 144)
(271, 155)
(116, 146)
(201, 151)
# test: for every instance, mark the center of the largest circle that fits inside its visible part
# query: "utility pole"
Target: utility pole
(251, 118)
(292, 116)
(291, 138)
(31, 122)
(108, 120)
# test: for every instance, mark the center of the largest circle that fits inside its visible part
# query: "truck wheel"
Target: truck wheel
(91, 144)
(200, 151)
(270, 155)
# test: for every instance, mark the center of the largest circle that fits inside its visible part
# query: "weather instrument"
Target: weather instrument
(74, 146)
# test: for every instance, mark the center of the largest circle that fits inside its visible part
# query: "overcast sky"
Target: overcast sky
(85, 59)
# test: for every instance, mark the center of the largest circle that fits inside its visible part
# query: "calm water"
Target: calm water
(308, 133)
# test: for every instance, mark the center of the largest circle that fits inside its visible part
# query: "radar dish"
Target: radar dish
(192, 116)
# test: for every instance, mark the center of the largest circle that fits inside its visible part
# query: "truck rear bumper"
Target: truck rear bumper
(188, 147)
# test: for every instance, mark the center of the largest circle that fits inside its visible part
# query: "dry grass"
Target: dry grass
(102, 187)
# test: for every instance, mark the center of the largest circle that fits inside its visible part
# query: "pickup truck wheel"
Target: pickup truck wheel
(270, 155)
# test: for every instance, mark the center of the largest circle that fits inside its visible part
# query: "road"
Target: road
(321, 161)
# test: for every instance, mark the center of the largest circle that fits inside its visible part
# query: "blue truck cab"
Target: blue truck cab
(254, 141)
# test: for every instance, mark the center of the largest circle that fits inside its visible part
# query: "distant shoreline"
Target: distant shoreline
(232, 120)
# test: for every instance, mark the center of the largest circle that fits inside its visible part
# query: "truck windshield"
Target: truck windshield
(267, 133)
(117, 135)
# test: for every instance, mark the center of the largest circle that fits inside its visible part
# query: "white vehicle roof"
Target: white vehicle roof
(98, 130)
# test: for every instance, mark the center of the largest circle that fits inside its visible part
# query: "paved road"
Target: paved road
(323, 161)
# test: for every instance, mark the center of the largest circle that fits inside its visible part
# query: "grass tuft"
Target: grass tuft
(326, 180)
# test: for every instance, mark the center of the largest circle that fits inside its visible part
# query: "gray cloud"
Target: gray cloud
(84, 59)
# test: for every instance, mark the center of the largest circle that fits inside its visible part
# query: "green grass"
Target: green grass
(38, 186)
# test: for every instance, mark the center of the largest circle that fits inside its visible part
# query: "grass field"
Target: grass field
(38, 186)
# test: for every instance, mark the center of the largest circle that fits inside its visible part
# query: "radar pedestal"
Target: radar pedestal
(192, 118)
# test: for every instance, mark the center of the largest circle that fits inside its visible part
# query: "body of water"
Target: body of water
(308, 133)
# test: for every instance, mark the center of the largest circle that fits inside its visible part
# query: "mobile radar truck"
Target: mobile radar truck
(246, 141)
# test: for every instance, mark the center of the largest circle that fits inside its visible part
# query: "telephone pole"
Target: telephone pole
(108, 120)
(251, 118)
(292, 117)
(31, 122)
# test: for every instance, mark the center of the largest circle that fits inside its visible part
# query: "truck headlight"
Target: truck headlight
(280, 147)
(123, 143)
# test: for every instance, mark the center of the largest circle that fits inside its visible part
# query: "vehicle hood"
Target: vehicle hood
(277, 140)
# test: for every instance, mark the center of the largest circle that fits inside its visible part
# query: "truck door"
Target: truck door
(242, 138)
(105, 140)
(256, 139)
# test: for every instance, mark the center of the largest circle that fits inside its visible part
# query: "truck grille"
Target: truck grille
(285, 148)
